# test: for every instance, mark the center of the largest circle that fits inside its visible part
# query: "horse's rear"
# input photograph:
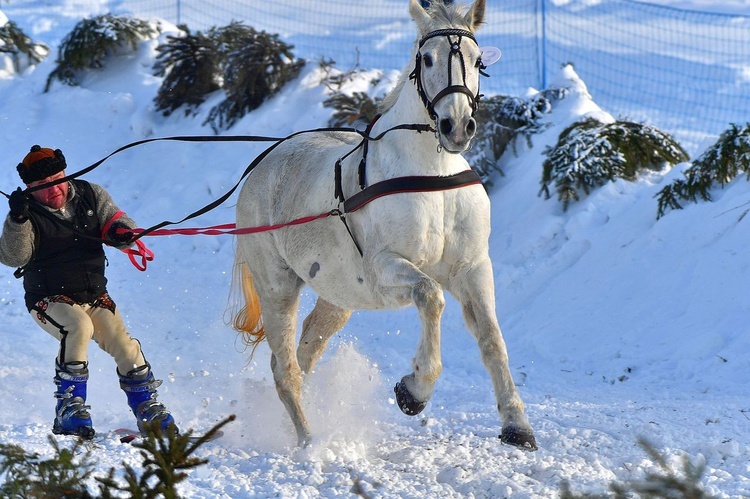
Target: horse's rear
(401, 249)
(296, 180)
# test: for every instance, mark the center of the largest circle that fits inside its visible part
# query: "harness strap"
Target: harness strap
(415, 183)
(362, 174)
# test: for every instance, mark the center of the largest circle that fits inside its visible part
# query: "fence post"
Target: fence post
(542, 55)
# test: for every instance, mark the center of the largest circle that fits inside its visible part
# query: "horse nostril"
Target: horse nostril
(446, 126)
(471, 127)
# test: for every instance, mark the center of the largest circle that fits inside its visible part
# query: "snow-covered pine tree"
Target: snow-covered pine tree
(257, 65)
(191, 67)
(351, 110)
(92, 40)
(21, 49)
(719, 164)
(354, 110)
(589, 154)
(502, 119)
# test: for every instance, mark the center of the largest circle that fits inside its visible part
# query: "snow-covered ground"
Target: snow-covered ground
(618, 326)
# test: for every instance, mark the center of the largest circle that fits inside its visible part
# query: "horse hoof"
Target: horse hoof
(303, 442)
(518, 437)
(406, 402)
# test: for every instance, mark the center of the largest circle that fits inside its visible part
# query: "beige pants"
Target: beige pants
(75, 325)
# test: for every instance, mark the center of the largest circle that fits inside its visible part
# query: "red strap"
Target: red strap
(139, 251)
(217, 230)
(146, 255)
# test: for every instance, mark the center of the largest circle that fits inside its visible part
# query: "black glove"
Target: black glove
(120, 238)
(19, 206)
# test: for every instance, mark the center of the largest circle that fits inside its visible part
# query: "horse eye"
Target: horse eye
(427, 61)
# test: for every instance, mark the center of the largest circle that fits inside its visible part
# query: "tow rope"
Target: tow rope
(385, 188)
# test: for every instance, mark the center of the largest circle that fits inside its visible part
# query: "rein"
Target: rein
(354, 203)
(229, 138)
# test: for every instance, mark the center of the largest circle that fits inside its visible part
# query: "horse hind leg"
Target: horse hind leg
(280, 324)
(323, 322)
(278, 293)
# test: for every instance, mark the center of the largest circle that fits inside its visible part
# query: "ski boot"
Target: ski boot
(72, 414)
(140, 387)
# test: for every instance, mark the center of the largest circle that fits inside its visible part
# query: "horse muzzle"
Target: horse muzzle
(455, 135)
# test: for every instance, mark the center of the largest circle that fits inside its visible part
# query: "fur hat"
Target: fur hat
(40, 163)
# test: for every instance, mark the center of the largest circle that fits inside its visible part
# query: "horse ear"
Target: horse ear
(418, 12)
(475, 16)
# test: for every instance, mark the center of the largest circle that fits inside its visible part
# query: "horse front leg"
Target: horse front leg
(475, 289)
(415, 389)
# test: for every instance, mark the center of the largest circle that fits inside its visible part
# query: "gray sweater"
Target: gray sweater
(17, 240)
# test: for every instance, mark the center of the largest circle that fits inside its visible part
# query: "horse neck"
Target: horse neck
(407, 152)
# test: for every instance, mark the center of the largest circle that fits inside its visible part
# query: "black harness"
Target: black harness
(416, 183)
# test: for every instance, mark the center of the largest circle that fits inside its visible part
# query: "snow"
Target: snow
(619, 326)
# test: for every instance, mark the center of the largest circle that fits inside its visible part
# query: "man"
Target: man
(55, 236)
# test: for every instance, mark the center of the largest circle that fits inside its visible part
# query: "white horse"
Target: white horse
(402, 248)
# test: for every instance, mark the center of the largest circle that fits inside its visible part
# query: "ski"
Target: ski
(129, 435)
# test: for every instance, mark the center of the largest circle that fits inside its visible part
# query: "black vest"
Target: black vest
(64, 263)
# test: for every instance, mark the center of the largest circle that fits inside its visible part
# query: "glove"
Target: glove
(19, 206)
(120, 238)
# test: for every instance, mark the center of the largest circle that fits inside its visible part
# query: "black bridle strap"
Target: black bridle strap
(447, 32)
(451, 90)
(416, 75)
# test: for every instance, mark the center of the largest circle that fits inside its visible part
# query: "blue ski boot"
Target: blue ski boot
(72, 414)
(140, 387)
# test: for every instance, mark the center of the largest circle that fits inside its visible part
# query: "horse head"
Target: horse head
(447, 68)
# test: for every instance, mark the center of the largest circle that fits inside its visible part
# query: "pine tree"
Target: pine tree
(22, 49)
(502, 120)
(719, 164)
(29, 475)
(256, 66)
(355, 110)
(166, 457)
(589, 154)
(191, 67)
(91, 41)
(351, 110)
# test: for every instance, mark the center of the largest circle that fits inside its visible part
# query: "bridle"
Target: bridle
(416, 75)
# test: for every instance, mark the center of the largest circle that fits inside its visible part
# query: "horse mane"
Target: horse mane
(442, 15)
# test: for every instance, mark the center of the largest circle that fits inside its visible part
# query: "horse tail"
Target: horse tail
(245, 310)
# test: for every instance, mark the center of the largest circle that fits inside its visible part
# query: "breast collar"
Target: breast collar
(397, 185)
